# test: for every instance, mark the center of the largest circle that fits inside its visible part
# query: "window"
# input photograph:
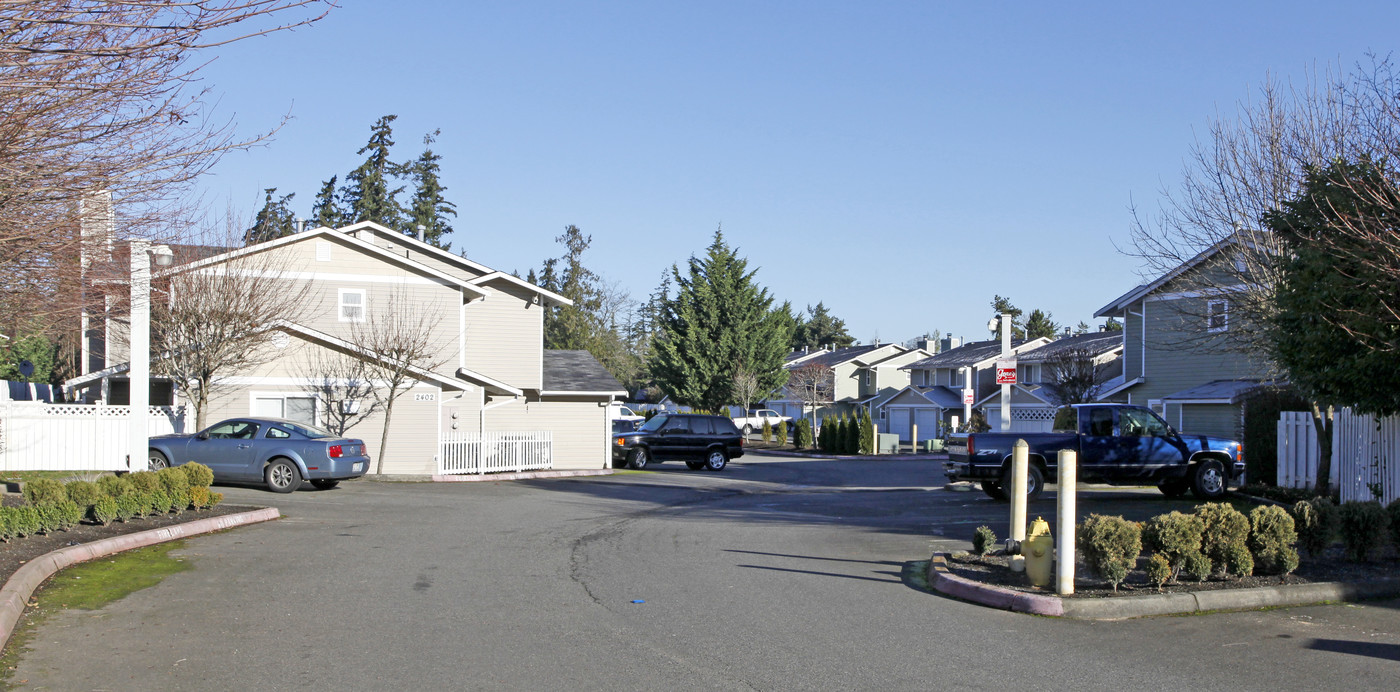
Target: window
(234, 430)
(1136, 423)
(323, 251)
(301, 409)
(352, 305)
(1101, 422)
(1217, 315)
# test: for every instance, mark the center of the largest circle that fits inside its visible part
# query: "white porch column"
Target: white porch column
(140, 373)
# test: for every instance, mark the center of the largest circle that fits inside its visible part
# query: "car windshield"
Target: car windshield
(655, 423)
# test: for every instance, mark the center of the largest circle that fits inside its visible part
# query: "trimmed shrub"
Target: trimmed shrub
(144, 481)
(824, 434)
(199, 497)
(159, 502)
(70, 514)
(867, 433)
(1393, 509)
(1110, 546)
(982, 541)
(1197, 566)
(130, 506)
(1271, 539)
(179, 501)
(782, 432)
(104, 511)
(198, 474)
(1225, 538)
(215, 499)
(115, 486)
(767, 432)
(1317, 522)
(173, 480)
(1177, 537)
(1365, 528)
(83, 493)
(1159, 570)
(44, 491)
(7, 524)
(852, 439)
(802, 434)
(25, 521)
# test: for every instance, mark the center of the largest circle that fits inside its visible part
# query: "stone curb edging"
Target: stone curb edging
(1124, 607)
(523, 475)
(15, 594)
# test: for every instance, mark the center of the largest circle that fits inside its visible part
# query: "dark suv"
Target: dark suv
(701, 441)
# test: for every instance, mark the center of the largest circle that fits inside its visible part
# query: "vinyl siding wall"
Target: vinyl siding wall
(505, 337)
(581, 429)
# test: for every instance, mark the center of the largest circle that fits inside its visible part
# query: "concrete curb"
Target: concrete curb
(523, 475)
(16, 592)
(936, 456)
(1125, 607)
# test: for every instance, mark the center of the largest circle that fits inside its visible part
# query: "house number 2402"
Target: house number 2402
(425, 397)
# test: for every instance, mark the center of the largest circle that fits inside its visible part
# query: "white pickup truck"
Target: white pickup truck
(754, 421)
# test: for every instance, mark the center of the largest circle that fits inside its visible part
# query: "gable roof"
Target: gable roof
(1121, 303)
(973, 354)
(1094, 344)
(937, 395)
(577, 372)
(1215, 392)
(831, 359)
(323, 232)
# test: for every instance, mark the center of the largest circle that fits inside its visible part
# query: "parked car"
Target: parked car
(702, 442)
(620, 412)
(279, 453)
(624, 425)
(1116, 444)
(754, 421)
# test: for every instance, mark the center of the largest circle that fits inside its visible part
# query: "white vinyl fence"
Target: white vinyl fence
(35, 436)
(1297, 451)
(1366, 454)
(498, 452)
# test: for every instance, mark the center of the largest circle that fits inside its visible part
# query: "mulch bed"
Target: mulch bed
(1332, 567)
(19, 551)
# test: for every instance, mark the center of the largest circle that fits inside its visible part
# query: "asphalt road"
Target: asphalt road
(776, 574)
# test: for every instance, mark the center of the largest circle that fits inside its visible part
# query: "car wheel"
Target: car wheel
(156, 461)
(1208, 480)
(282, 476)
(993, 490)
(716, 459)
(637, 459)
(324, 483)
(748, 430)
(1035, 482)
(695, 465)
(1175, 488)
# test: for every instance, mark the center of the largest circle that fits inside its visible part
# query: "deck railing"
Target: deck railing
(495, 452)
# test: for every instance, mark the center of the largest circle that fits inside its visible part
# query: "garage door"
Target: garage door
(898, 422)
(927, 420)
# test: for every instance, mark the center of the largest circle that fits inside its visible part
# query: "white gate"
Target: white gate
(1297, 451)
(35, 436)
(495, 452)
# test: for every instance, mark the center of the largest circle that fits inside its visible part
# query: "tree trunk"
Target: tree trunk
(1322, 423)
(384, 438)
(201, 406)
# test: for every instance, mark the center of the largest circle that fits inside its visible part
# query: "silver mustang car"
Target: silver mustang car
(279, 453)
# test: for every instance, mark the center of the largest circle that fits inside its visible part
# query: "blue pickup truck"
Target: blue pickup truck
(1117, 444)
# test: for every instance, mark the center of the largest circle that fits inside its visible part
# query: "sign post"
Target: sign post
(1006, 384)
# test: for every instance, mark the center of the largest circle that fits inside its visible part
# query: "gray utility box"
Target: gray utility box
(888, 443)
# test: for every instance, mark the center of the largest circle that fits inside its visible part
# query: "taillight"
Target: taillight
(335, 451)
(741, 441)
(1239, 452)
(969, 445)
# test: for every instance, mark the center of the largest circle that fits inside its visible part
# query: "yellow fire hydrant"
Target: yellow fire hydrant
(1039, 551)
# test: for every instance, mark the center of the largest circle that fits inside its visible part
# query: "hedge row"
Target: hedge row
(52, 505)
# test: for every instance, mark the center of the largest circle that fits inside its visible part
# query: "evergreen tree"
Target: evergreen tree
(820, 329)
(428, 207)
(572, 327)
(718, 321)
(1003, 305)
(367, 194)
(1113, 325)
(824, 435)
(1039, 325)
(867, 433)
(327, 211)
(1081, 328)
(853, 434)
(273, 221)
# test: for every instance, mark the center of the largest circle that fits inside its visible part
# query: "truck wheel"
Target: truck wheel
(637, 459)
(1035, 482)
(1175, 488)
(1208, 480)
(748, 430)
(993, 490)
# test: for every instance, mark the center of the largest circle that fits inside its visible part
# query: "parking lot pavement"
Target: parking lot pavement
(774, 574)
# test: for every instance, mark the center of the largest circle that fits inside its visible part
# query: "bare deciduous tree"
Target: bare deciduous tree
(402, 335)
(1075, 376)
(341, 382)
(813, 385)
(746, 387)
(104, 96)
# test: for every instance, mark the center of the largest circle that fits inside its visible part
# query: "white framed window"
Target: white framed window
(293, 407)
(352, 305)
(1217, 315)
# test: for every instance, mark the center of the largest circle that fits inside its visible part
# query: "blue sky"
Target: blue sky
(900, 161)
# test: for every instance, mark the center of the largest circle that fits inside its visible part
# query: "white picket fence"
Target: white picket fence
(495, 452)
(35, 436)
(1365, 454)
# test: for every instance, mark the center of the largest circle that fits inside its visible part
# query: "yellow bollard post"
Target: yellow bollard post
(914, 437)
(1067, 478)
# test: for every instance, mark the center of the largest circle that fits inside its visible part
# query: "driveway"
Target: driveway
(774, 574)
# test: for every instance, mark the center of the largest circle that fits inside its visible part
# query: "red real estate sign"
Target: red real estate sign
(1006, 372)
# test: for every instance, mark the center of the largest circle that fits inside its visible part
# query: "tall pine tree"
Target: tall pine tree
(327, 210)
(821, 329)
(719, 321)
(273, 221)
(368, 195)
(429, 208)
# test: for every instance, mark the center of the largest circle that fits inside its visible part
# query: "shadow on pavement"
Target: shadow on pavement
(1390, 652)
